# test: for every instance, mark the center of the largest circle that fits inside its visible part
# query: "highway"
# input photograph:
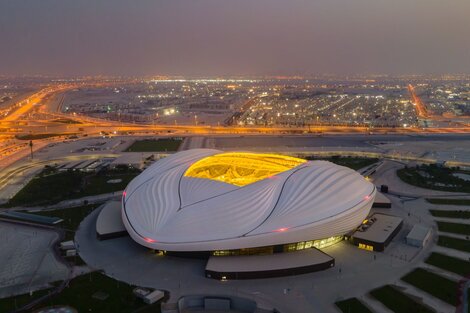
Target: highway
(421, 110)
(28, 104)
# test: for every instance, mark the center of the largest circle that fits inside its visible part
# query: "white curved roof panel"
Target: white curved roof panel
(204, 200)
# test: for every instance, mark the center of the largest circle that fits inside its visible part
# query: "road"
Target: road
(421, 110)
(28, 104)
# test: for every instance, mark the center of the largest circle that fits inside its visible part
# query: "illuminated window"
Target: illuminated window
(221, 253)
(302, 245)
(366, 247)
(290, 247)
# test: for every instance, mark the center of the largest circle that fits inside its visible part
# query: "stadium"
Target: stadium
(206, 201)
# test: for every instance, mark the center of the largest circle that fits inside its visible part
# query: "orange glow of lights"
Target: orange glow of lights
(241, 168)
(280, 230)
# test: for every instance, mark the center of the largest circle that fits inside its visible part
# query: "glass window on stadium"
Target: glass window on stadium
(247, 251)
(319, 244)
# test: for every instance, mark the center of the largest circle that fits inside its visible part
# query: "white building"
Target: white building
(208, 200)
(418, 236)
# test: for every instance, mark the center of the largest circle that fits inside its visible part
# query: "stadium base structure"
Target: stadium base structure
(267, 266)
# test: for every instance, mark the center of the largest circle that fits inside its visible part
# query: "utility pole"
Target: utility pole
(31, 148)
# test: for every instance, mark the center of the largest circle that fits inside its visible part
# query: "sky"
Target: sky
(233, 37)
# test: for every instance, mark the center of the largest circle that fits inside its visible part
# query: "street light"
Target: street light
(31, 148)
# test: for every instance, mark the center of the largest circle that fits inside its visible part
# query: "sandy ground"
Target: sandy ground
(27, 259)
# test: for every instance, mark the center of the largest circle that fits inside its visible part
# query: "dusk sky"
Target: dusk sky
(233, 37)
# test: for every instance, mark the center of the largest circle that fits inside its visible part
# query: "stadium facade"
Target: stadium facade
(230, 203)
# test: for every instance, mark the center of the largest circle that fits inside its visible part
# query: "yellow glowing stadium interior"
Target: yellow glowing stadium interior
(241, 169)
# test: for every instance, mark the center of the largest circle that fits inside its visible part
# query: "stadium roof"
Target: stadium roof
(205, 199)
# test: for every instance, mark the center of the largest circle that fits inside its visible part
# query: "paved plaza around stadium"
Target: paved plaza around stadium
(355, 273)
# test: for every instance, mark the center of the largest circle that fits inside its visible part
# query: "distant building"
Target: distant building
(138, 160)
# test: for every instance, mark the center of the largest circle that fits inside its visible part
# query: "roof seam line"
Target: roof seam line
(279, 197)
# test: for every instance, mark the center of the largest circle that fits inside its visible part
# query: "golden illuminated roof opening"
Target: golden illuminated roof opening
(241, 169)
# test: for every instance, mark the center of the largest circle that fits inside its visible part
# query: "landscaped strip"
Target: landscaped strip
(448, 263)
(156, 145)
(398, 301)
(434, 177)
(93, 292)
(352, 305)
(454, 243)
(449, 201)
(70, 185)
(456, 228)
(12, 304)
(451, 214)
(39, 136)
(436, 285)
(72, 217)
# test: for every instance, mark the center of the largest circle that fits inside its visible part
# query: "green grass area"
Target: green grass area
(98, 184)
(66, 121)
(72, 217)
(449, 201)
(456, 228)
(434, 177)
(352, 305)
(38, 136)
(436, 285)
(398, 301)
(50, 188)
(449, 263)
(354, 163)
(13, 303)
(454, 243)
(451, 214)
(79, 295)
(156, 145)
